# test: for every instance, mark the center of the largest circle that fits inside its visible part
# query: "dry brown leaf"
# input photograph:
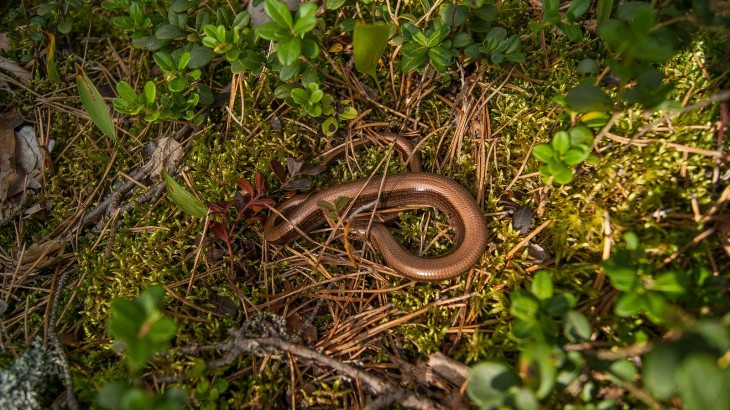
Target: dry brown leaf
(15, 70)
(27, 153)
(4, 42)
(168, 153)
(8, 175)
(38, 251)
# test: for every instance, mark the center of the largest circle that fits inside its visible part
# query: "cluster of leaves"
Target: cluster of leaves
(461, 27)
(556, 354)
(141, 329)
(543, 365)
(631, 273)
(638, 38)
(179, 101)
(567, 150)
(235, 44)
(567, 23)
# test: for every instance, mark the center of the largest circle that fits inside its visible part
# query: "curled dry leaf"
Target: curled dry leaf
(15, 70)
(37, 254)
(167, 153)
(20, 161)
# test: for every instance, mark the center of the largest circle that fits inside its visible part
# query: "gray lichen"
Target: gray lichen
(24, 384)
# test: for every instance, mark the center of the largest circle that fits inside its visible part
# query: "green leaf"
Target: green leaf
(702, 385)
(538, 367)
(603, 11)
(64, 26)
(629, 304)
(415, 57)
(524, 305)
(564, 176)
(289, 72)
(580, 134)
(588, 66)
(369, 42)
(300, 96)
(670, 282)
(270, 31)
(542, 285)
(279, 12)
(289, 50)
(164, 61)
(622, 275)
(183, 61)
(440, 56)
(655, 305)
(306, 18)
(200, 56)
(488, 380)
(169, 32)
(622, 370)
(575, 156)
(543, 152)
(632, 241)
(348, 113)
(310, 49)
(150, 92)
(182, 198)
(659, 370)
(454, 15)
(95, 105)
(283, 91)
(111, 394)
(576, 327)
(329, 126)
(334, 4)
(461, 40)
(587, 97)
(51, 69)
(559, 304)
(577, 8)
(561, 142)
(126, 92)
(525, 330)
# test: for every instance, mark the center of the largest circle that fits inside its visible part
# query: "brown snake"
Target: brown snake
(302, 215)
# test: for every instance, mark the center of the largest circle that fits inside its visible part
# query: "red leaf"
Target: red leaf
(215, 208)
(219, 230)
(263, 202)
(260, 183)
(239, 201)
(278, 169)
(245, 185)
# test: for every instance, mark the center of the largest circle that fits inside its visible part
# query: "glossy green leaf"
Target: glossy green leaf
(279, 12)
(369, 42)
(289, 50)
(183, 198)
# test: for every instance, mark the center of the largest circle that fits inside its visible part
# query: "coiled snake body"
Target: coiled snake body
(422, 189)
